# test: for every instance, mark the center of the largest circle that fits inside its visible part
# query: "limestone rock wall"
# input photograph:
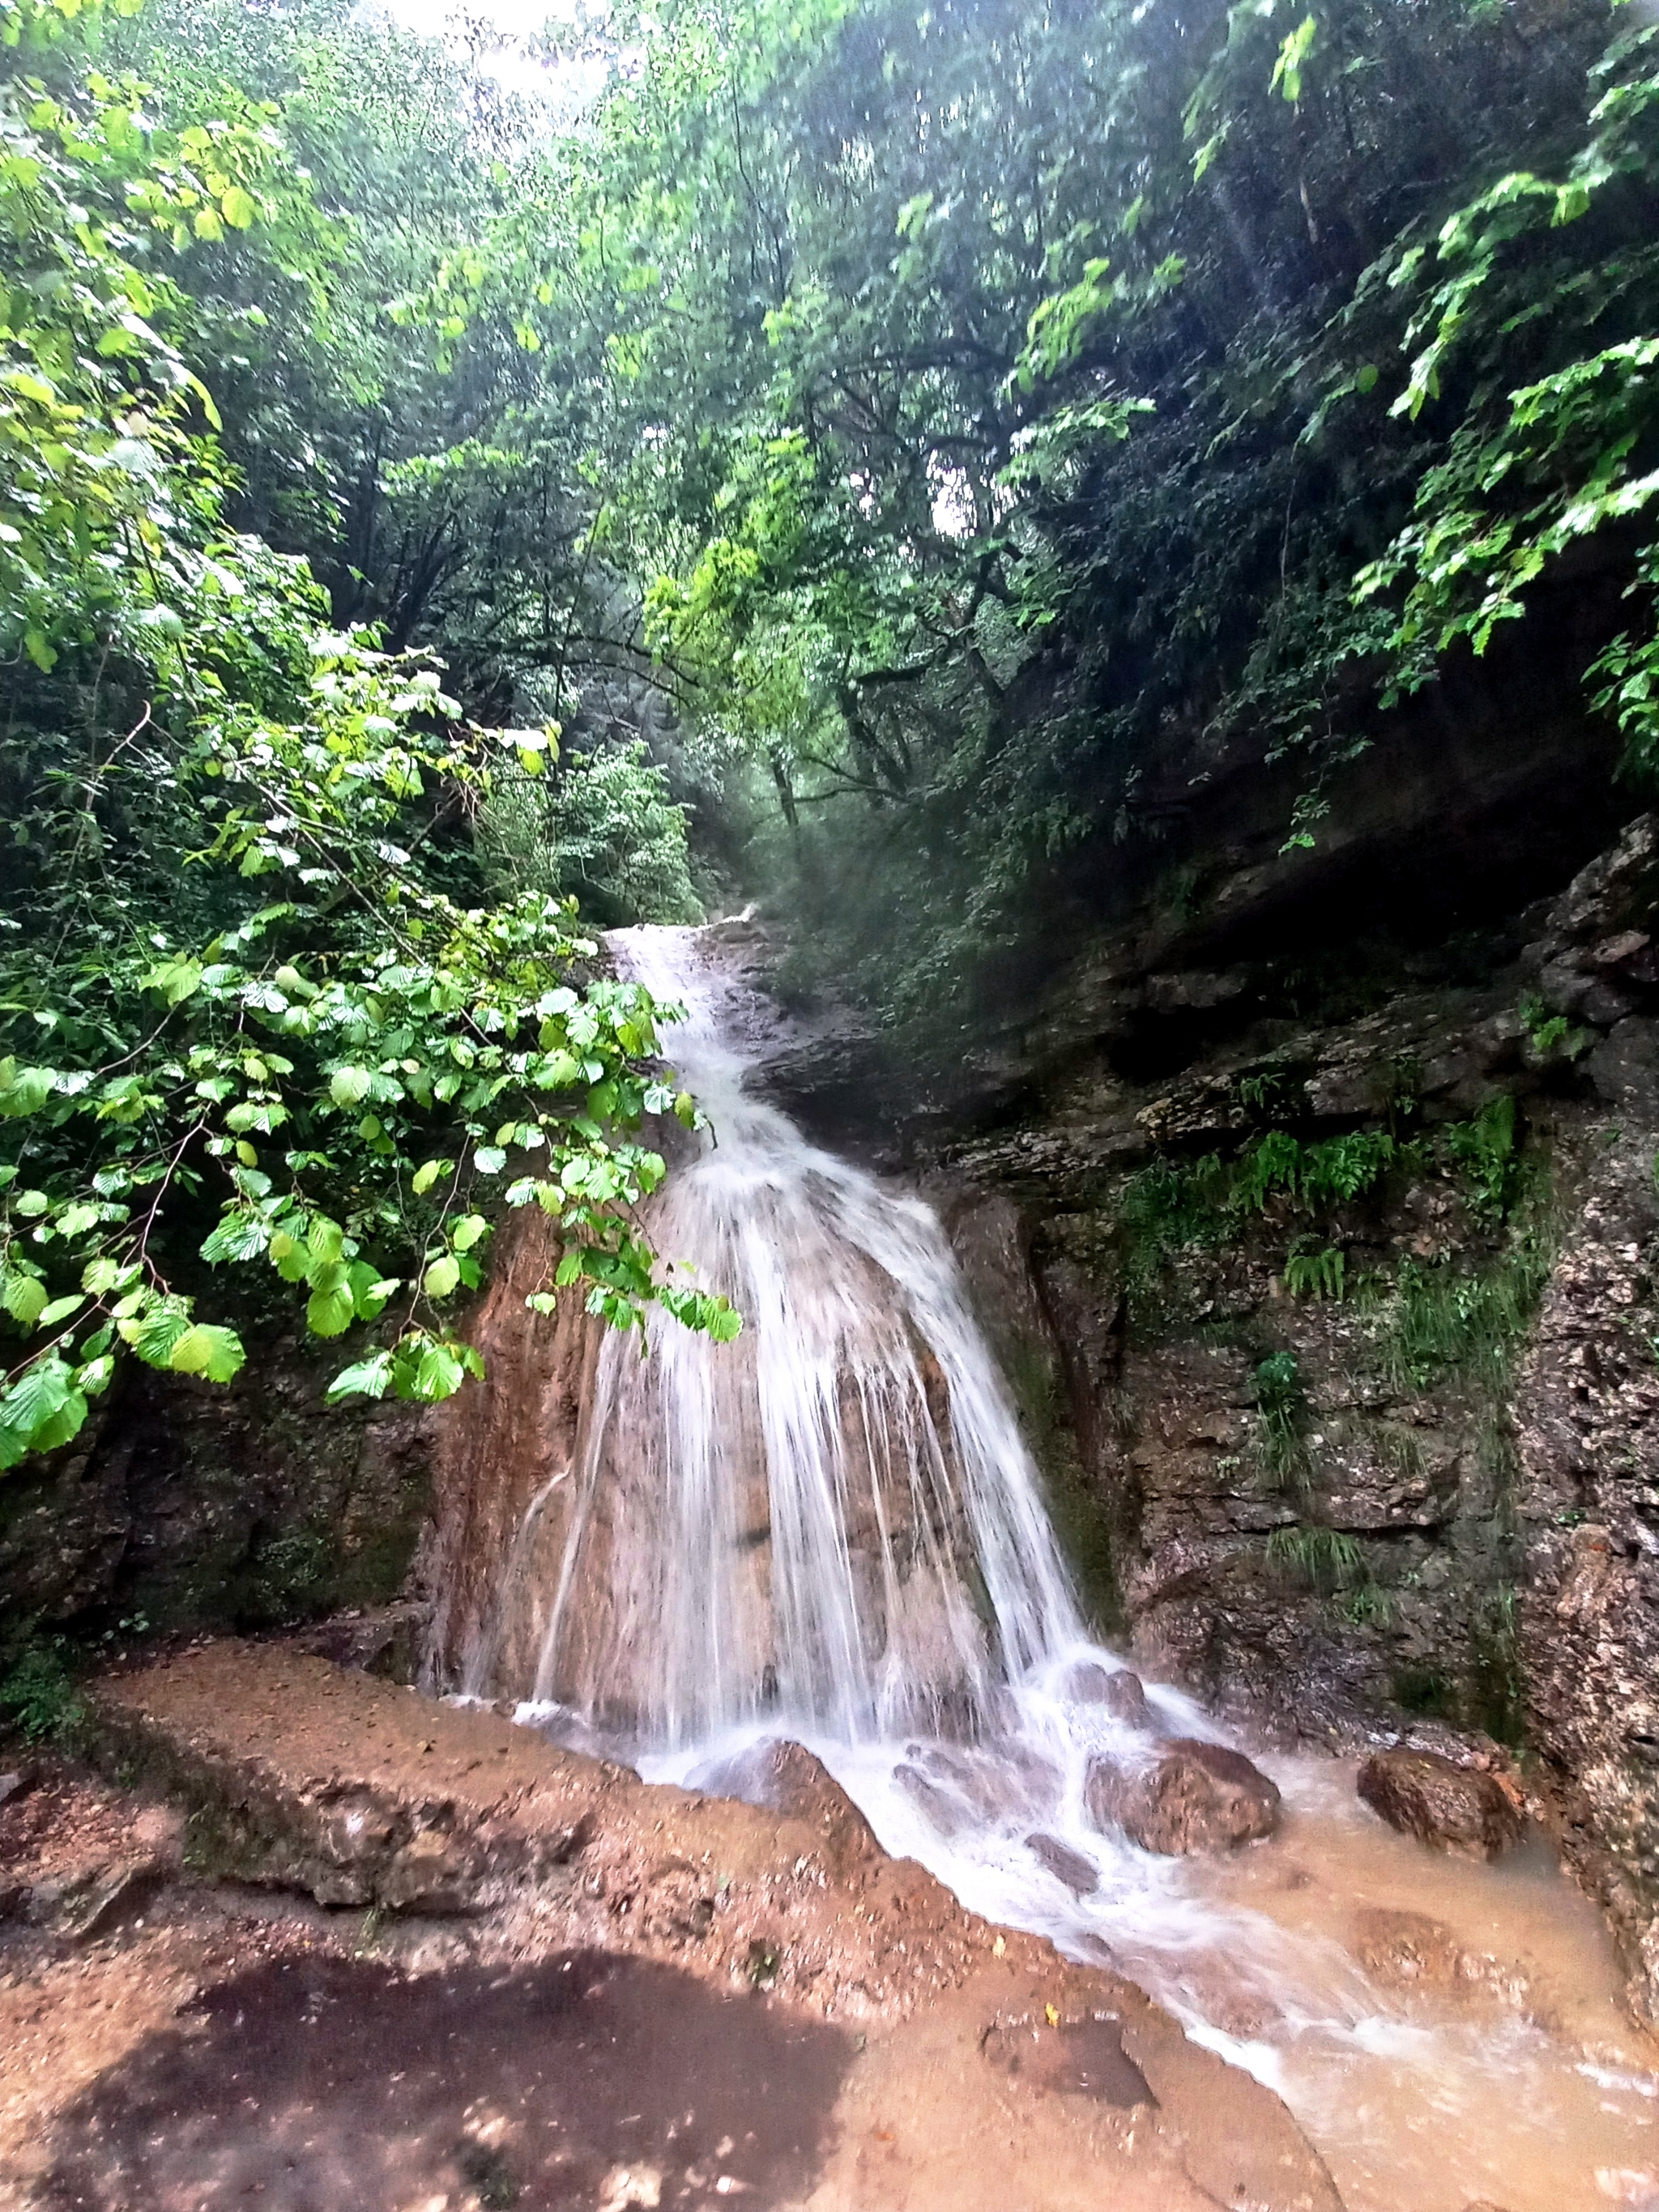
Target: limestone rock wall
(184, 1506)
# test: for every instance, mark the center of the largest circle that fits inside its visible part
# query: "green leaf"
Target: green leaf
(330, 1311)
(325, 1243)
(239, 1235)
(42, 1410)
(153, 1335)
(214, 1353)
(348, 1086)
(370, 1290)
(427, 1176)
(24, 1298)
(439, 1375)
(441, 1276)
(369, 1378)
(288, 1257)
(490, 1159)
(468, 1233)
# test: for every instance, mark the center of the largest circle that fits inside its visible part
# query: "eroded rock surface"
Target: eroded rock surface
(1193, 1796)
(785, 1778)
(1454, 1808)
(493, 1855)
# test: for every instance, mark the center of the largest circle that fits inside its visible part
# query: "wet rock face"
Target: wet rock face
(1194, 1796)
(1119, 1690)
(1065, 1865)
(1587, 1410)
(194, 1506)
(1463, 1551)
(1454, 1808)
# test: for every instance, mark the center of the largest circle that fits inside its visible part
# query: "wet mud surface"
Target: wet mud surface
(312, 2084)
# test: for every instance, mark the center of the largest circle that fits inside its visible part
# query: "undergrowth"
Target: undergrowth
(1281, 1403)
(1442, 1320)
(38, 1694)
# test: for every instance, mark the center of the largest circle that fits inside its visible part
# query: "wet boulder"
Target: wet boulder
(1118, 1689)
(944, 1811)
(1070, 1867)
(1450, 1807)
(785, 1778)
(1193, 1796)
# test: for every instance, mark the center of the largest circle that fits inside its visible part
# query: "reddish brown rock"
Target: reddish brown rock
(1194, 1796)
(1454, 1808)
(785, 1778)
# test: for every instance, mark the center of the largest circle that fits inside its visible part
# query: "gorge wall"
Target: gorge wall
(1345, 1461)
(1311, 1199)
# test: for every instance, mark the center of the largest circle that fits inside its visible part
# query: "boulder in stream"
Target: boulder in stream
(1453, 1809)
(785, 1778)
(1079, 1876)
(1118, 1689)
(1193, 1796)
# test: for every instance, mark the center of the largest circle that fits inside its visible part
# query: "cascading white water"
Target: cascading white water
(833, 1530)
(834, 1521)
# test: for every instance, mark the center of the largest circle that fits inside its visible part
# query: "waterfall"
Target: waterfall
(834, 1521)
(832, 1529)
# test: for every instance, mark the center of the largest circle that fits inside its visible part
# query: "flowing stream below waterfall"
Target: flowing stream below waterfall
(833, 1531)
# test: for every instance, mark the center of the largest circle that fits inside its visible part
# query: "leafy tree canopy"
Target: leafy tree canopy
(843, 448)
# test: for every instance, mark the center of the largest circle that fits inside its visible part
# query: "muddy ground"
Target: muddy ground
(308, 1941)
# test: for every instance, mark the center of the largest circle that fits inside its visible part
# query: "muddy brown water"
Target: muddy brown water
(321, 2084)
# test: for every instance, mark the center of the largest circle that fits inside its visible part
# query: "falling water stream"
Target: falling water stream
(832, 1530)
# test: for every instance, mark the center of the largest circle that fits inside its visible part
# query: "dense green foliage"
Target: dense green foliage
(259, 1004)
(847, 451)
(991, 400)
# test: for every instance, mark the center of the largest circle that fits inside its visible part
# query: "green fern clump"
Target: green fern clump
(1324, 1557)
(1281, 1402)
(1445, 1321)
(1314, 1275)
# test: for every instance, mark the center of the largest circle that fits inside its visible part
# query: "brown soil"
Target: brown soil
(311, 2083)
(622, 1979)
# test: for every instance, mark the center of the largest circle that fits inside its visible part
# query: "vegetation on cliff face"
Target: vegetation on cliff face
(259, 1005)
(846, 452)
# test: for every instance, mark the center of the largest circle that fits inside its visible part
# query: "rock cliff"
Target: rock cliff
(1324, 1264)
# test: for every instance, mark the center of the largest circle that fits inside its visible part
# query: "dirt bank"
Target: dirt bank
(411, 1955)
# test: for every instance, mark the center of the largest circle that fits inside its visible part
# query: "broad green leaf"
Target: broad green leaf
(330, 1311)
(441, 1278)
(348, 1086)
(369, 1378)
(215, 1353)
(24, 1298)
(439, 1375)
